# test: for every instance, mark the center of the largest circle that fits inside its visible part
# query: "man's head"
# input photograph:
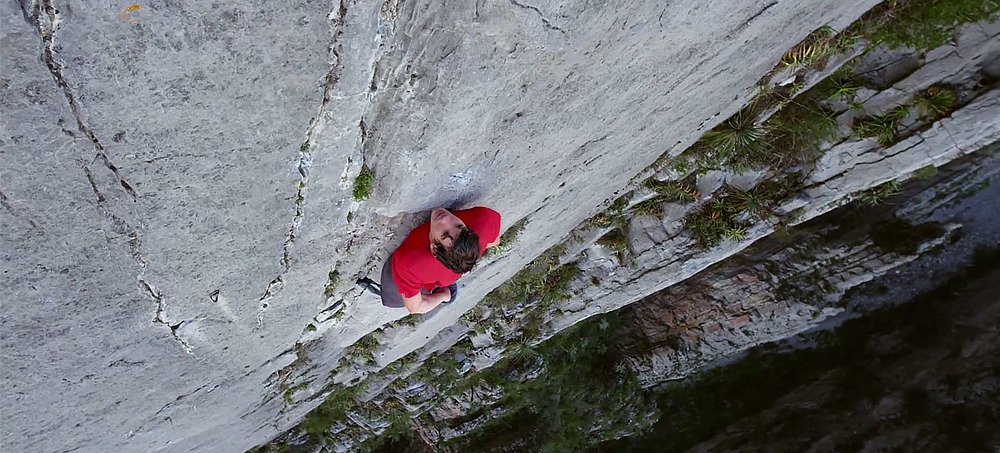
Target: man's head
(452, 243)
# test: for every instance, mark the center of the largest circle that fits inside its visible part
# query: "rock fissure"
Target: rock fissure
(759, 13)
(545, 21)
(122, 227)
(47, 19)
(304, 164)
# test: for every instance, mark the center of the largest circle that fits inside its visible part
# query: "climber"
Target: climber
(421, 273)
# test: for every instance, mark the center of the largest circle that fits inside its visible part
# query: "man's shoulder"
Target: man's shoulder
(479, 215)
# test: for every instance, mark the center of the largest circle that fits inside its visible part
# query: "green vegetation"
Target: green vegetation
(790, 136)
(542, 281)
(649, 208)
(878, 194)
(732, 211)
(798, 130)
(364, 349)
(813, 50)
(925, 24)
(927, 172)
(757, 202)
(935, 102)
(737, 142)
(304, 147)
(617, 241)
(506, 240)
(333, 280)
(613, 215)
(582, 396)
(363, 184)
(716, 221)
(319, 421)
(675, 191)
(508, 237)
(883, 128)
(842, 84)
(601, 220)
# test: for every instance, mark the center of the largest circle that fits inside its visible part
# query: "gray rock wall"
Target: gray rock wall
(176, 179)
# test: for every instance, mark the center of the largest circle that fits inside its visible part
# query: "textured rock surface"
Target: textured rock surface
(176, 181)
(711, 314)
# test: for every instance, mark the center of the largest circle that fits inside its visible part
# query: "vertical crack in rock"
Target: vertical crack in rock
(122, 227)
(305, 163)
(43, 15)
(541, 16)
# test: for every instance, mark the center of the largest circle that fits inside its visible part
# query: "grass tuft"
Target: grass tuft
(878, 194)
(617, 242)
(675, 191)
(884, 128)
(814, 49)
(649, 208)
(935, 102)
(738, 142)
(542, 281)
(842, 84)
(333, 280)
(363, 184)
(798, 131)
(927, 172)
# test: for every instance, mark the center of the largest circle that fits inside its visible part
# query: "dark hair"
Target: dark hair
(462, 255)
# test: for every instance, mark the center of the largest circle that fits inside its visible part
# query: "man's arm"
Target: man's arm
(423, 303)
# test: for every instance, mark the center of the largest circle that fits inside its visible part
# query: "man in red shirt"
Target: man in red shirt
(421, 273)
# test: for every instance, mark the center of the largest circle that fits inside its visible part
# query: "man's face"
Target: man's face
(445, 227)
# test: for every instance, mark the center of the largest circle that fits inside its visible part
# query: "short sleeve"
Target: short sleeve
(484, 221)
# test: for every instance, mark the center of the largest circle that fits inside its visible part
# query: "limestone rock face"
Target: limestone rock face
(176, 183)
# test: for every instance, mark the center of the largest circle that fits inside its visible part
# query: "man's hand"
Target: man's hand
(445, 292)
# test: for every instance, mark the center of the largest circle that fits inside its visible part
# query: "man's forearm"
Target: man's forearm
(423, 303)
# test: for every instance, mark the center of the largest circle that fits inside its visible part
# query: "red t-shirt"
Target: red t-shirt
(413, 265)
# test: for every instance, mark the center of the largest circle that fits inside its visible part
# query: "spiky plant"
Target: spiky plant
(600, 220)
(878, 194)
(676, 191)
(649, 208)
(735, 233)
(842, 84)
(935, 102)
(797, 131)
(741, 133)
(813, 49)
(884, 128)
(522, 350)
(755, 202)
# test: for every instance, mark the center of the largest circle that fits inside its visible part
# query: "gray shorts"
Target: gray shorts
(390, 293)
